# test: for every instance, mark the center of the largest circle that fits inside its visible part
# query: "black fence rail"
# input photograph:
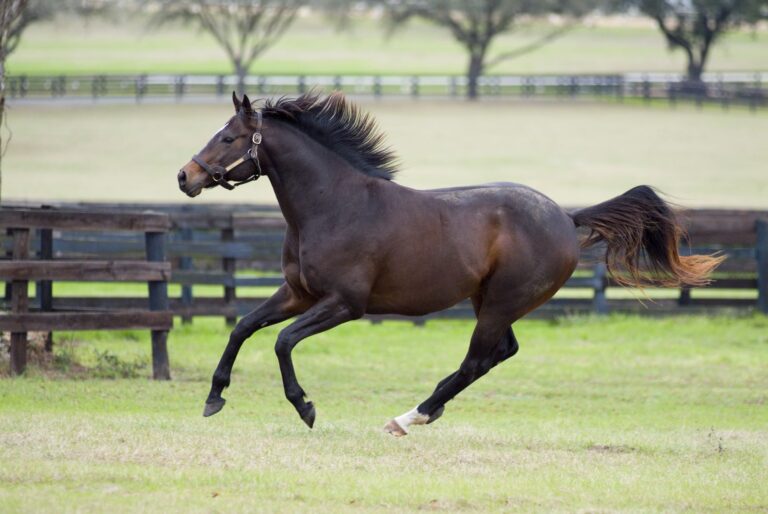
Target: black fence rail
(237, 249)
(748, 89)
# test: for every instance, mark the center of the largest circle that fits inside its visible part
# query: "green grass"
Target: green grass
(578, 153)
(312, 46)
(602, 415)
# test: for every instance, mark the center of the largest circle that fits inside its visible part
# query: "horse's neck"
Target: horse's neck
(310, 181)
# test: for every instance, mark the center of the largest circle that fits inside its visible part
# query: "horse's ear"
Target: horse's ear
(247, 105)
(236, 101)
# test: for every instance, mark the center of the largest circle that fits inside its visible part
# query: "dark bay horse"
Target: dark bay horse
(359, 243)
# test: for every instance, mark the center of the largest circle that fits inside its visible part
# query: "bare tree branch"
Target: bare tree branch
(532, 46)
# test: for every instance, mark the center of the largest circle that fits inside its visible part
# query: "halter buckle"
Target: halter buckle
(256, 138)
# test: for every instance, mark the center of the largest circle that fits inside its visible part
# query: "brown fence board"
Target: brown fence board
(44, 321)
(89, 271)
(83, 220)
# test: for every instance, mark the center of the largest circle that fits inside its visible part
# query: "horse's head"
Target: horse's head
(230, 155)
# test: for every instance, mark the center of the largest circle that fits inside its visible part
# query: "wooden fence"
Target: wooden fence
(237, 247)
(34, 254)
(726, 89)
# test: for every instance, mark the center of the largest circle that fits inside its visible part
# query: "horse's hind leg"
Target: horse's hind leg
(480, 358)
(505, 349)
(279, 307)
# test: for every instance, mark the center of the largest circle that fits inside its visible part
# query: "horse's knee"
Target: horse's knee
(283, 346)
(242, 331)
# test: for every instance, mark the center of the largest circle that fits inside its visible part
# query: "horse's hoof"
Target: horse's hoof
(213, 406)
(436, 415)
(309, 415)
(394, 428)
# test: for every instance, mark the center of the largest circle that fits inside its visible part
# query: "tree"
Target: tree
(475, 24)
(15, 16)
(243, 28)
(695, 25)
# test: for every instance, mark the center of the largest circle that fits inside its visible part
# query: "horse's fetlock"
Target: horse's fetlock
(294, 393)
(221, 379)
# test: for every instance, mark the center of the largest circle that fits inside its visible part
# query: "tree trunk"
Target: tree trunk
(695, 70)
(474, 71)
(694, 84)
(2, 114)
(241, 72)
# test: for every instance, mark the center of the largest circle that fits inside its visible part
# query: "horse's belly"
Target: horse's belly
(418, 296)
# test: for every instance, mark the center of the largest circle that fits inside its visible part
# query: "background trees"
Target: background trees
(695, 25)
(476, 23)
(243, 28)
(15, 15)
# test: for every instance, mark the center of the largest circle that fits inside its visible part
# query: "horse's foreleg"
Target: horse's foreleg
(279, 307)
(480, 358)
(324, 315)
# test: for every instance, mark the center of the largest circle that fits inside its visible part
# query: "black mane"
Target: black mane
(340, 126)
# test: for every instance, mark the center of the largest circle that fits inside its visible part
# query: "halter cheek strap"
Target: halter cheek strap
(219, 173)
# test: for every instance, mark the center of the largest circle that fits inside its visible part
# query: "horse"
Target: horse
(359, 243)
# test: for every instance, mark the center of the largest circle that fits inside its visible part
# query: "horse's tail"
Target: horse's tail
(642, 232)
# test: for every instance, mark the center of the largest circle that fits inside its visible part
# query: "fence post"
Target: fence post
(185, 263)
(228, 265)
(19, 303)
(600, 281)
(220, 85)
(141, 87)
(762, 265)
(158, 301)
(8, 255)
(45, 287)
(301, 84)
(178, 86)
(377, 86)
(415, 86)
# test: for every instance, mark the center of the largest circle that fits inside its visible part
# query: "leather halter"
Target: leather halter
(219, 173)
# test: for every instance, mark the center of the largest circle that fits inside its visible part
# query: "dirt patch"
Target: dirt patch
(60, 363)
(609, 448)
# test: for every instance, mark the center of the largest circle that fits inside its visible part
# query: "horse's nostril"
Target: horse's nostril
(182, 177)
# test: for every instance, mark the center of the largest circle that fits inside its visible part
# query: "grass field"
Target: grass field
(578, 153)
(593, 415)
(313, 46)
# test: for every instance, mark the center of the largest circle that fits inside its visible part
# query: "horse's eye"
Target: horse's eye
(229, 140)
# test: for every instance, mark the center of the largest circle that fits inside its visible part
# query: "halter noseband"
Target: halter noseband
(219, 173)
